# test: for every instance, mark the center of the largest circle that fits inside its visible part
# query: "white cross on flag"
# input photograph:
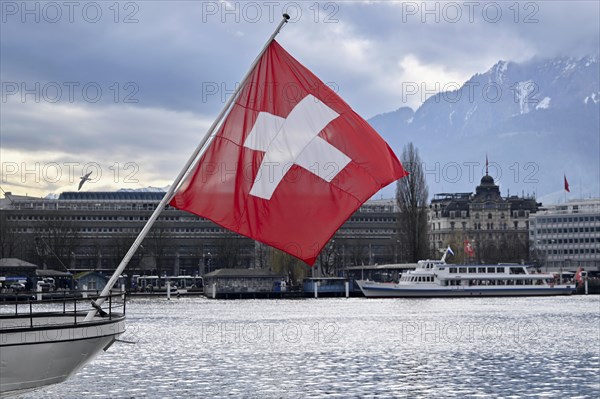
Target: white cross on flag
(290, 163)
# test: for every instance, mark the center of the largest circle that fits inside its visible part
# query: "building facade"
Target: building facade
(566, 236)
(496, 228)
(81, 231)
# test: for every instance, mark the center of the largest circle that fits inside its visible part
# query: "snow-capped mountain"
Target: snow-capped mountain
(536, 121)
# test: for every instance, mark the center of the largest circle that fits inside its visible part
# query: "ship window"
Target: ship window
(481, 270)
(472, 270)
(442, 268)
(491, 270)
(462, 270)
(499, 270)
(453, 270)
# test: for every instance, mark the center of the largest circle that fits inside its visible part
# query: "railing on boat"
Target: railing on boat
(113, 307)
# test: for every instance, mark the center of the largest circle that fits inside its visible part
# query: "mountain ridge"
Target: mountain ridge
(525, 116)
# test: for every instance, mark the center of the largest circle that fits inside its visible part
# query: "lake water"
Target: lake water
(407, 348)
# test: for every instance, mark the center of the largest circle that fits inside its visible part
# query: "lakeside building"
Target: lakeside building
(566, 236)
(82, 231)
(496, 228)
(14, 270)
(244, 283)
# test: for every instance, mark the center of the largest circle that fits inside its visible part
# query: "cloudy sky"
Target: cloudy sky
(127, 89)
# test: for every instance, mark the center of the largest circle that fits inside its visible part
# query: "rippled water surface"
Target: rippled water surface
(471, 347)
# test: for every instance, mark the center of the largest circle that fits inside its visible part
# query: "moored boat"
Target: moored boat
(44, 342)
(435, 278)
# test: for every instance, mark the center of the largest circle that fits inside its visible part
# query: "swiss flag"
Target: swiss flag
(468, 248)
(290, 163)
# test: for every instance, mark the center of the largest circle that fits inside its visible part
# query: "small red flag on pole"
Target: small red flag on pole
(566, 184)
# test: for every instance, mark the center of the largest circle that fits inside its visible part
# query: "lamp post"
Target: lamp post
(207, 262)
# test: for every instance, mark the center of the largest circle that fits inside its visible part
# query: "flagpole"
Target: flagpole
(194, 158)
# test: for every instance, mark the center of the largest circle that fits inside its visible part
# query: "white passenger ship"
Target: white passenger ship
(435, 278)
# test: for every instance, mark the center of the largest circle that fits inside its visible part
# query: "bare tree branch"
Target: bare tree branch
(412, 194)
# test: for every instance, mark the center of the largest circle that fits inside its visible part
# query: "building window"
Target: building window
(489, 215)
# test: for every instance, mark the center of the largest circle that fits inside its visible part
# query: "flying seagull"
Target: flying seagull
(83, 180)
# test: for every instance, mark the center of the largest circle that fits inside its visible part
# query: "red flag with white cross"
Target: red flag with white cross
(290, 163)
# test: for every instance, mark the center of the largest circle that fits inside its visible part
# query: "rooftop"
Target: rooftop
(15, 262)
(232, 273)
(111, 196)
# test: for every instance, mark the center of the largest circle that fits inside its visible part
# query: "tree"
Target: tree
(228, 250)
(286, 264)
(358, 252)
(56, 241)
(261, 255)
(117, 248)
(329, 259)
(159, 242)
(411, 196)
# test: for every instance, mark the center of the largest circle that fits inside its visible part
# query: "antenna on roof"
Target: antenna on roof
(486, 165)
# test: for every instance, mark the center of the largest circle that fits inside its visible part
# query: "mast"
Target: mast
(191, 162)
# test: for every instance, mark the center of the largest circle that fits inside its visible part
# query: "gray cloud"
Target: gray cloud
(154, 61)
